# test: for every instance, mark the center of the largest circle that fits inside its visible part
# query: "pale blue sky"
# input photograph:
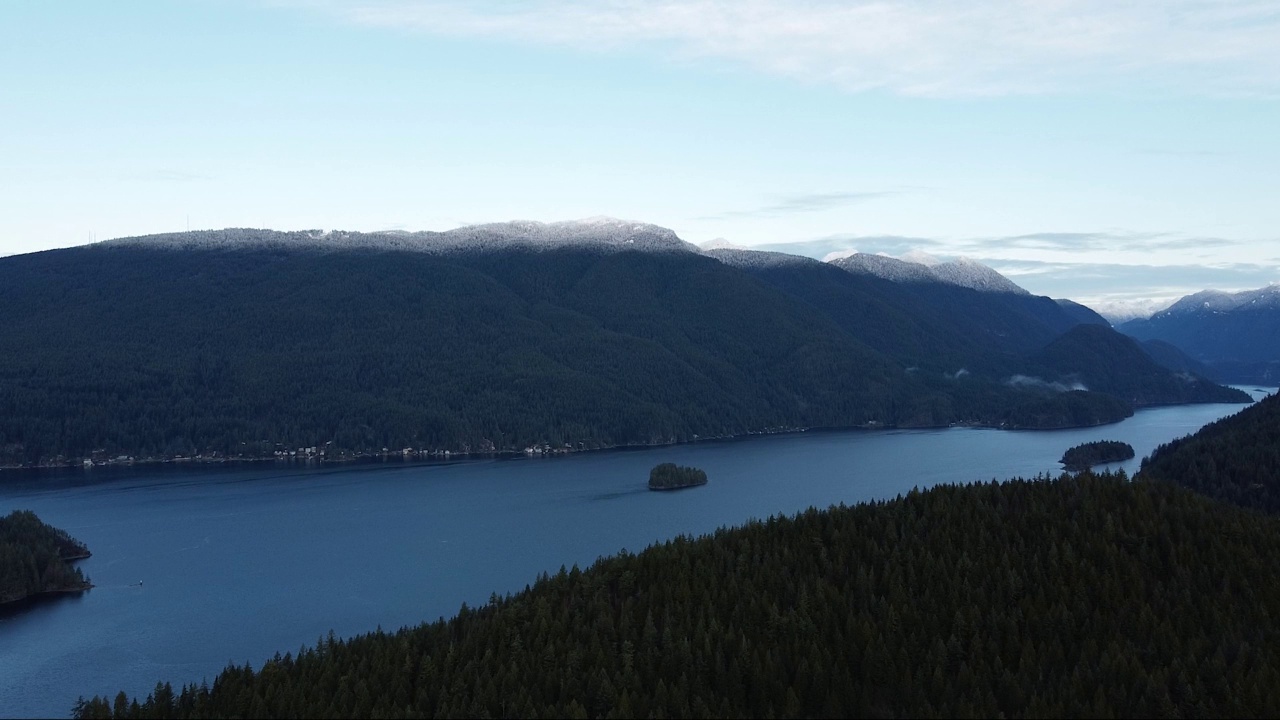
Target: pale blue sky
(1057, 141)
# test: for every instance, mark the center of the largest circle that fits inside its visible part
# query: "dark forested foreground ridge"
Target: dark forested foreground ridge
(253, 344)
(1085, 596)
(1236, 459)
(1083, 457)
(35, 558)
(669, 476)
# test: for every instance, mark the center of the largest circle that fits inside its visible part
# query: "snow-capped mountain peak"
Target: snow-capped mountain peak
(885, 267)
(1217, 301)
(922, 267)
(973, 274)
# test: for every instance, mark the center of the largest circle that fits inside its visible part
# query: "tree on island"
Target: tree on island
(1083, 457)
(34, 558)
(669, 476)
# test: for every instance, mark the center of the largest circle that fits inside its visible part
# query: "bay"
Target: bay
(198, 567)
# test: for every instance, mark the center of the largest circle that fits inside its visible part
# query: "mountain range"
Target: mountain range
(523, 337)
(1236, 336)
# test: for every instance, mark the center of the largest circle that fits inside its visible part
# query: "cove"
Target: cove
(237, 563)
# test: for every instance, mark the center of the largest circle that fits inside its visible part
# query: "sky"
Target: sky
(1120, 154)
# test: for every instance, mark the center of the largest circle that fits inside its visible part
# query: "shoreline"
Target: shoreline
(543, 450)
(46, 594)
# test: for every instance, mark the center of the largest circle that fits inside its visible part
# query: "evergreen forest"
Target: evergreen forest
(1235, 459)
(1085, 456)
(121, 351)
(669, 476)
(35, 558)
(1086, 595)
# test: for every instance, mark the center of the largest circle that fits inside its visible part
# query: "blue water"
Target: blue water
(237, 563)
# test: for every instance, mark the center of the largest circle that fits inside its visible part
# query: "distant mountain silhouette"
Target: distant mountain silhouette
(1236, 335)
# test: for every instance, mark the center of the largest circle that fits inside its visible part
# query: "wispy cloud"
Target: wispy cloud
(1113, 288)
(1108, 287)
(1088, 241)
(1035, 382)
(823, 247)
(915, 47)
(810, 202)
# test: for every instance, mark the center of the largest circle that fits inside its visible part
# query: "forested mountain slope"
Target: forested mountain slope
(1081, 313)
(173, 351)
(1172, 358)
(1103, 360)
(1079, 597)
(1236, 459)
(494, 338)
(998, 316)
(873, 310)
(1013, 338)
(1236, 334)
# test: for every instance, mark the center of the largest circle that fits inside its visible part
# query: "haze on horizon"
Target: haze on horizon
(1104, 153)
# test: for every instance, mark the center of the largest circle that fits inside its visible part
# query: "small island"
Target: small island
(1083, 457)
(669, 476)
(36, 558)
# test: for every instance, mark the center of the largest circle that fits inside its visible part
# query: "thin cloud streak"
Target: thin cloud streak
(1088, 241)
(1108, 287)
(812, 202)
(913, 47)
(820, 248)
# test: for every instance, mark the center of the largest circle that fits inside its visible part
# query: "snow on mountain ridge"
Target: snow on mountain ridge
(973, 274)
(1217, 301)
(597, 232)
(963, 272)
(745, 258)
(885, 267)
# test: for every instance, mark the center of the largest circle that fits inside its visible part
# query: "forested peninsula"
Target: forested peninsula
(1235, 459)
(247, 344)
(36, 558)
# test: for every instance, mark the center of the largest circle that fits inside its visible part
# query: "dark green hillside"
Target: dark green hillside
(1074, 408)
(148, 352)
(1081, 597)
(873, 310)
(1105, 361)
(34, 558)
(1081, 313)
(1236, 459)
(1015, 323)
(1171, 358)
(994, 340)
(274, 342)
(928, 323)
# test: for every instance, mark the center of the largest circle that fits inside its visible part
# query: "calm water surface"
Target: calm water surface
(237, 563)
